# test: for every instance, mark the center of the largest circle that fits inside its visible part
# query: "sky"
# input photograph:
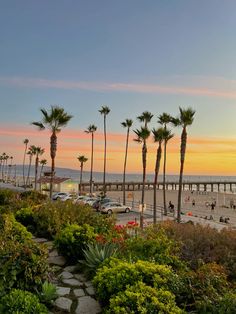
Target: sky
(132, 56)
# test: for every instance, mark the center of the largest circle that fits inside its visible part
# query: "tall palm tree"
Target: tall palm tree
(31, 152)
(126, 124)
(9, 169)
(185, 119)
(26, 141)
(82, 159)
(91, 129)
(42, 162)
(54, 119)
(39, 152)
(104, 111)
(6, 170)
(145, 117)
(142, 135)
(3, 164)
(164, 119)
(158, 136)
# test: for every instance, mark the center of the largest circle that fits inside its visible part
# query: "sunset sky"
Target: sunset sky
(131, 55)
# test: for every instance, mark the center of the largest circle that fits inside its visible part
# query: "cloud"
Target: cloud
(214, 90)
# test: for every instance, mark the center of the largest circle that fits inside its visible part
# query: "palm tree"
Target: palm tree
(104, 111)
(164, 119)
(82, 160)
(126, 124)
(54, 119)
(160, 135)
(185, 119)
(9, 169)
(26, 141)
(39, 152)
(91, 129)
(142, 135)
(6, 170)
(31, 152)
(42, 162)
(3, 164)
(145, 117)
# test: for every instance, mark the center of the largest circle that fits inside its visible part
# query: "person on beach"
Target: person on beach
(213, 206)
(171, 207)
(193, 202)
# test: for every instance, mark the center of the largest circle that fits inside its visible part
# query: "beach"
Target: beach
(202, 201)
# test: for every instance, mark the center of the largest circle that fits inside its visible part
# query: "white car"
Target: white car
(90, 200)
(59, 195)
(69, 197)
(115, 207)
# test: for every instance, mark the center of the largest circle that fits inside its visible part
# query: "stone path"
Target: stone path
(76, 294)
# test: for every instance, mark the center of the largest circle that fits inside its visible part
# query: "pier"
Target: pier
(211, 186)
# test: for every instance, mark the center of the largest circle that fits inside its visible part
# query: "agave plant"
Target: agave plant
(95, 255)
(48, 293)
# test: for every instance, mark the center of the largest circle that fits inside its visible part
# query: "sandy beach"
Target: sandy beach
(202, 202)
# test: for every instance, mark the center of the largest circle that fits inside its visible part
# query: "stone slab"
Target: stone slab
(71, 268)
(63, 304)
(79, 293)
(53, 253)
(87, 305)
(40, 240)
(61, 291)
(72, 282)
(66, 275)
(57, 260)
(80, 277)
(88, 284)
(90, 290)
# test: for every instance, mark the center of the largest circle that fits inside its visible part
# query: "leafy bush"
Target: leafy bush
(95, 254)
(200, 244)
(73, 239)
(51, 217)
(224, 305)
(25, 216)
(13, 229)
(116, 275)
(203, 287)
(6, 196)
(153, 245)
(18, 301)
(22, 264)
(143, 299)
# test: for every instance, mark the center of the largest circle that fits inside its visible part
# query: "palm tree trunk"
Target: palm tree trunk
(125, 162)
(53, 149)
(3, 169)
(81, 175)
(144, 159)
(182, 157)
(105, 156)
(36, 172)
(164, 179)
(157, 168)
(40, 176)
(29, 167)
(91, 171)
(24, 165)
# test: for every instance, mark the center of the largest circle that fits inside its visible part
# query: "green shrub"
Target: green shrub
(203, 244)
(21, 302)
(116, 275)
(25, 216)
(13, 229)
(51, 217)
(95, 254)
(143, 299)
(73, 239)
(22, 264)
(224, 305)
(6, 196)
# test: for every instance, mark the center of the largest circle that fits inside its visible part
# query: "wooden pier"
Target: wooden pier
(187, 185)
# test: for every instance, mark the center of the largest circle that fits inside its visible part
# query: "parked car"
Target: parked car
(69, 197)
(81, 199)
(115, 207)
(90, 201)
(99, 202)
(59, 195)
